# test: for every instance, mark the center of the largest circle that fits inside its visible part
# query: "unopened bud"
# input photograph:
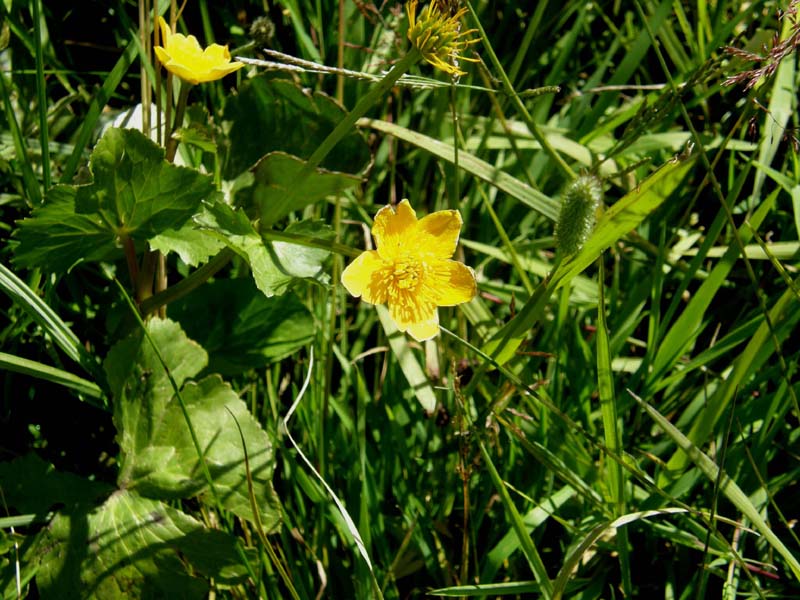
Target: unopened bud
(579, 203)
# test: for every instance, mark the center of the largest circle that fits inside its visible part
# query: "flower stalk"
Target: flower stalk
(362, 106)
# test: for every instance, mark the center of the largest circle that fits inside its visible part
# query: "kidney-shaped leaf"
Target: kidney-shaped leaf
(132, 547)
(136, 191)
(277, 114)
(248, 330)
(285, 184)
(158, 456)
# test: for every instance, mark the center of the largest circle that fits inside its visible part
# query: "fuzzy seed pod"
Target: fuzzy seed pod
(579, 203)
(262, 31)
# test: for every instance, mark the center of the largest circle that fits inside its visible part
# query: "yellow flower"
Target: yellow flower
(411, 270)
(183, 56)
(437, 35)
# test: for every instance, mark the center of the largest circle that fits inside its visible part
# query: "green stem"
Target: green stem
(180, 109)
(144, 282)
(359, 110)
(185, 286)
(509, 89)
(306, 240)
(41, 93)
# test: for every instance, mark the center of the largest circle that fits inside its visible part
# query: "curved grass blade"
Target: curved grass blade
(574, 558)
(90, 390)
(512, 186)
(351, 526)
(726, 485)
(48, 320)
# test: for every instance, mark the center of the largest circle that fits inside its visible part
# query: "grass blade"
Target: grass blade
(18, 364)
(611, 428)
(48, 320)
(417, 380)
(518, 525)
(624, 216)
(512, 186)
(726, 485)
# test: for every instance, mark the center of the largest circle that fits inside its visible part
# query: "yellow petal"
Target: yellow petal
(453, 282)
(188, 74)
(220, 72)
(393, 228)
(438, 233)
(183, 56)
(362, 277)
(426, 329)
(162, 55)
(166, 32)
(411, 311)
(217, 54)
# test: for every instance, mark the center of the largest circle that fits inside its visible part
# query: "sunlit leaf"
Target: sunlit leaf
(282, 186)
(274, 269)
(158, 456)
(132, 547)
(135, 193)
(194, 245)
(302, 261)
(135, 190)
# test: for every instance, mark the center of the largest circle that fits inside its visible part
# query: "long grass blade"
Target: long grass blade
(726, 485)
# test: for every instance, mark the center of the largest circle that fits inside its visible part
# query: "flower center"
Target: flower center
(407, 274)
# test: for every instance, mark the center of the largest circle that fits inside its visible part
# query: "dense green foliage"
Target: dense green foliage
(192, 406)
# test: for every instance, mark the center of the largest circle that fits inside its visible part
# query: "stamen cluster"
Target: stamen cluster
(437, 34)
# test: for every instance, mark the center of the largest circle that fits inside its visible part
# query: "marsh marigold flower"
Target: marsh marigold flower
(183, 56)
(437, 34)
(411, 270)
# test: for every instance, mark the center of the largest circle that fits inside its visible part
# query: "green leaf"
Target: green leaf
(249, 330)
(213, 406)
(274, 269)
(131, 547)
(134, 371)
(158, 457)
(136, 192)
(282, 186)
(32, 485)
(55, 238)
(193, 245)
(277, 114)
(302, 261)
